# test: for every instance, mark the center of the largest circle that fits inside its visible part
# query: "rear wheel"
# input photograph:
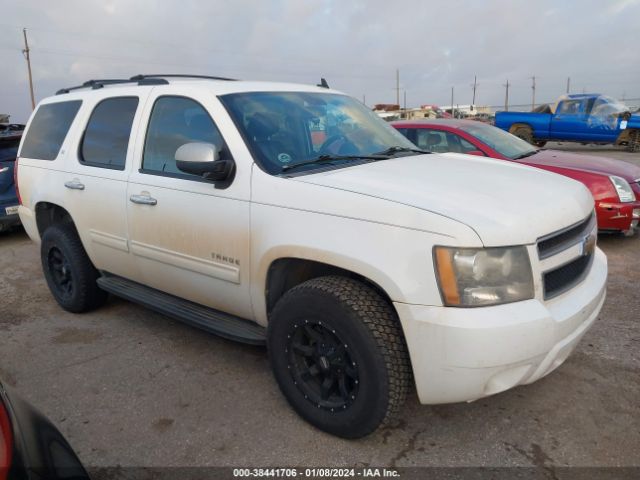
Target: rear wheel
(339, 356)
(68, 270)
(524, 132)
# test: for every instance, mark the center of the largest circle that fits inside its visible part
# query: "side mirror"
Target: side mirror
(203, 159)
(477, 153)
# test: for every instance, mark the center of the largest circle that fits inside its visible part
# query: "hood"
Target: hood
(634, 121)
(504, 203)
(585, 163)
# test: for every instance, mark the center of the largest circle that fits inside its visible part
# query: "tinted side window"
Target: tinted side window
(441, 142)
(106, 138)
(48, 130)
(459, 144)
(175, 121)
(404, 131)
(431, 140)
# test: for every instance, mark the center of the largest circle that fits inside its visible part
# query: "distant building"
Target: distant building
(465, 111)
(4, 118)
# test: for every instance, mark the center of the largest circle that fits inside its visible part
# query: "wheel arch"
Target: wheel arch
(48, 214)
(282, 272)
(517, 125)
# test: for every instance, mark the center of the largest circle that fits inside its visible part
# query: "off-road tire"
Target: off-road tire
(356, 315)
(60, 243)
(525, 133)
(634, 141)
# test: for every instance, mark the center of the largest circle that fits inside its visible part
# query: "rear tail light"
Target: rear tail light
(6, 442)
(15, 182)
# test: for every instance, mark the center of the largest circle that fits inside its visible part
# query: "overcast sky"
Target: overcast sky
(355, 44)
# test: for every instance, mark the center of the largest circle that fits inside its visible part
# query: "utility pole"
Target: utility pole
(398, 87)
(405, 104)
(26, 55)
(533, 93)
(364, 99)
(568, 85)
(506, 96)
(453, 112)
(475, 85)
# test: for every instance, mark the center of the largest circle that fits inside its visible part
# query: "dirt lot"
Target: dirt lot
(130, 387)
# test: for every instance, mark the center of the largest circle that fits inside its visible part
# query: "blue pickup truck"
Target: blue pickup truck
(585, 118)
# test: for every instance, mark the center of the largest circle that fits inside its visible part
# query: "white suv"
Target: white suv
(291, 215)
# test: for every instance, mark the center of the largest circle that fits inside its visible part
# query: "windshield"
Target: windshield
(605, 105)
(504, 143)
(286, 128)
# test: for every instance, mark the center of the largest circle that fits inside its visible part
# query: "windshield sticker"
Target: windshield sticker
(284, 157)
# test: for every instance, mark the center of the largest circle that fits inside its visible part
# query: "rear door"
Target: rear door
(95, 185)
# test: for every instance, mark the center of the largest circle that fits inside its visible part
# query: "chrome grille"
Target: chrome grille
(556, 242)
(562, 278)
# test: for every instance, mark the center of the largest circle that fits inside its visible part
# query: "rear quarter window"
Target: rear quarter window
(48, 130)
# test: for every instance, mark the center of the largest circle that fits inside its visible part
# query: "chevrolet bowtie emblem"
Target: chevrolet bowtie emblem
(589, 244)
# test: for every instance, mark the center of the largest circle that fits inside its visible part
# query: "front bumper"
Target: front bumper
(462, 354)
(618, 217)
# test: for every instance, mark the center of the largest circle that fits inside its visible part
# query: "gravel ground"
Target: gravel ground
(130, 387)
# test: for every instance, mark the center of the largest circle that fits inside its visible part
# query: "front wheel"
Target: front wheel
(634, 141)
(339, 355)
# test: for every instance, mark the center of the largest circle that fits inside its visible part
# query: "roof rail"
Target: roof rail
(180, 75)
(100, 83)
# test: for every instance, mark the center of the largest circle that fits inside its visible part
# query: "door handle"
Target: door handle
(74, 184)
(143, 199)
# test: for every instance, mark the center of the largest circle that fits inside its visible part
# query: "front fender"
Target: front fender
(397, 259)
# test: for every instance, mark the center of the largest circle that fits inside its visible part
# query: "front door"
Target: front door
(570, 120)
(189, 238)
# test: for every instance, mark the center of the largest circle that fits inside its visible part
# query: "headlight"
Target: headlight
(476, 277)
(625, 193)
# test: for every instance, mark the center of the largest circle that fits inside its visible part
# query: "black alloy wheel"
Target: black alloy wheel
(68, 270)
(322, 366)
(339, 356)
(60, 273)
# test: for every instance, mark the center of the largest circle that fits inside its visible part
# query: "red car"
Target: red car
(615, 184)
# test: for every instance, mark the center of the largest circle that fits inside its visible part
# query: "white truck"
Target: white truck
(292, 216)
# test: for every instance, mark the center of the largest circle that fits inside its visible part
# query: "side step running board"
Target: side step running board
(208, 319)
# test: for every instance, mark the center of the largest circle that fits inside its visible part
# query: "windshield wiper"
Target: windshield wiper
(333, 158)
(393, 150)
(525, 155)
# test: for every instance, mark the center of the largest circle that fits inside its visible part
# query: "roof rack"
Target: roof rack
(100, 83)
(180, 75)
(154, 79)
